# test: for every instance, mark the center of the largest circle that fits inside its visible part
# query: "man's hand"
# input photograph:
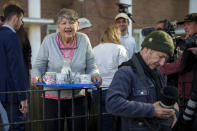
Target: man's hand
(95, 79)
(161, 112)
(34, 80)
(24, 107)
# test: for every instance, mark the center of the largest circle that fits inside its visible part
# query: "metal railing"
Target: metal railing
(29, 121)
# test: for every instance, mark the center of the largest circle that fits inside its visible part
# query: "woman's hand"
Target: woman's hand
(96, 79)
(34, 80)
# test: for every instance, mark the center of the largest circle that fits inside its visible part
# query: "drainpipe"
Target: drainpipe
(34, 11)
(192, 6)
(129, 2)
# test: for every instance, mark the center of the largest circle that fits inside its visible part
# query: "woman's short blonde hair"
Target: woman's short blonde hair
(67, 13)
(111, 35)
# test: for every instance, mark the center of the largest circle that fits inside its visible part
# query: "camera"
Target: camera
(168, 97)
(188, 60)
(191, 42)
(147, 30)
(169, 27)
(123, 8)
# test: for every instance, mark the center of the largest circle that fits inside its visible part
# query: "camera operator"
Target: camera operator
(189, 63)
(166, 26)
(185, 64)
(169, 27)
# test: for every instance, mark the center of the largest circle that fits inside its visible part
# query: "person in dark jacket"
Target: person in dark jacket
(13, 76)
(134, 94)
(188, 121)
(3, 113)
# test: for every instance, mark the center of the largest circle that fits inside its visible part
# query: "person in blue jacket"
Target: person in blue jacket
(13, 76)
(135, 89)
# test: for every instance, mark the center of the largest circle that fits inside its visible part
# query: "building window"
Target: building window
(51, 29)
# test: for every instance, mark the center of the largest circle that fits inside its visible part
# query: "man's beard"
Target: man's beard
(17, 25)
(123, 30)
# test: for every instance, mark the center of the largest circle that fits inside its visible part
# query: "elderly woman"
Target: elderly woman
(109, 54)
(67, 42)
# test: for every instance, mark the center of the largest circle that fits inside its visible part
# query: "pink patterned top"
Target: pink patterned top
(67, 50)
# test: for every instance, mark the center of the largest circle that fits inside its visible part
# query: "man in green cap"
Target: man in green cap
(135, 89)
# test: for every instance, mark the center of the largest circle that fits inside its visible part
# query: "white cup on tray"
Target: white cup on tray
(85, 79)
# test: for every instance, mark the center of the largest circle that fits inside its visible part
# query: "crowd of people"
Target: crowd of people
(135, 92)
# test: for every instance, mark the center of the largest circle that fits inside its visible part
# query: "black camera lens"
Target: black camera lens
(169, 95)
(147, 30)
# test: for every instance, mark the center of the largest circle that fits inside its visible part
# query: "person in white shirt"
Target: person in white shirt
(109, 54)
(122, 21)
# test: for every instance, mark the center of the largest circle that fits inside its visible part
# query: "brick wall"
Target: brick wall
(102, 12)
(23, 3)
(148, 12)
